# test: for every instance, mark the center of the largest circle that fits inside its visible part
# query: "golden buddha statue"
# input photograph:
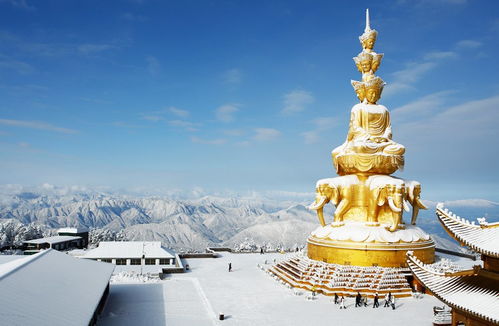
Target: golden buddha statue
(368, 225)
(369, 133)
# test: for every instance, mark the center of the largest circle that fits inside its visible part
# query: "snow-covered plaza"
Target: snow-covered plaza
(247, 296)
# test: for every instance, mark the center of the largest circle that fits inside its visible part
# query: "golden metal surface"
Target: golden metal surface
(368, 254)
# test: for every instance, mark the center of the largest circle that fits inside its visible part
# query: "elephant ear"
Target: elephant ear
(380, 196)
(335, 196)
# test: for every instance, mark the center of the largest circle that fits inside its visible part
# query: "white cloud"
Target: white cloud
(265, 134)
(437, 55)
(468, 44)
(405, 79)
(460, 133)
(321, 124)
(23, 4)
(153, 65)
(225, 113)
(36, 125)
(178, 112)
(20, 67)
(189, 126)
(297, 101)
(471, 203)
(233, 76)
(422, 106)
(310, 137)
(233, 132)
(218, 141)
(413, 72)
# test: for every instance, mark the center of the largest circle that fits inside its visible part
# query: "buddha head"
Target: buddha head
(360, 89)
(367, 39)
(374, 87)
(364, 62)
(376, 61)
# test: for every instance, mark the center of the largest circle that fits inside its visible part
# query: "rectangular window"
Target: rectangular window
(106, 260)
(150, 261)
(120, 261)
(135, 261)
(164, 261)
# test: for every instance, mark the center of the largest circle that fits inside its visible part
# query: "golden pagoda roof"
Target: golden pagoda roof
(483, 238)
(474, 291)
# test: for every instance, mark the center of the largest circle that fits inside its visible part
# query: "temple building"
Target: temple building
(363, 249)
(137, 256)
(472, 294)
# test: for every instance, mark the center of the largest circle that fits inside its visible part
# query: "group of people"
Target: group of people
(362, 301)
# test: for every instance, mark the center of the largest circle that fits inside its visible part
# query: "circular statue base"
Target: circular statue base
(361, 245)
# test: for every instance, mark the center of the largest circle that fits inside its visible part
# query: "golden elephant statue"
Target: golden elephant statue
(337, 191)
(389, 191)
(413, 196)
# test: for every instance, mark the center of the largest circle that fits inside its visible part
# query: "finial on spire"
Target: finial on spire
(368, 25)
(368, 34)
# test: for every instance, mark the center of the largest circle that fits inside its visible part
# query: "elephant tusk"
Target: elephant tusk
(420, 204)
(317, 205)
(406, 206)
(393, 206)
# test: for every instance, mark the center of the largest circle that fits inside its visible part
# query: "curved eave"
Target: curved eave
(472, 294)
(482, 240)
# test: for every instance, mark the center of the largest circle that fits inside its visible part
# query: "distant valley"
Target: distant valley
(195, 223)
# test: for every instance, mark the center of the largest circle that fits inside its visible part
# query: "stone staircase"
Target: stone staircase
(301, 272)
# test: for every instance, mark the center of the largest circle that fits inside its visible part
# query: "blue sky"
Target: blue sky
(242, 95)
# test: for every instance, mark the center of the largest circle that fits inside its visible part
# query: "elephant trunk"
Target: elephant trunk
(415, 211)
(406, 206)
(318, 205)
(420, 204)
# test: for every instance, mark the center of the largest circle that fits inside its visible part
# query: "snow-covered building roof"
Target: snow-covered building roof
(51, 288)
(475, 292)
(53, 240)
(483, 238)
(129, 249)
(72, 230)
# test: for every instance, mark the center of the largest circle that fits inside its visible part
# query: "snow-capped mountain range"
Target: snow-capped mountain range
(195, 223)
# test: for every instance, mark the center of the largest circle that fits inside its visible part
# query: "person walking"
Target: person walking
(358, 298)
(230, 267)
(393, 302)
(342, 303)
(336, 298)
(376, 301)
(387, 301)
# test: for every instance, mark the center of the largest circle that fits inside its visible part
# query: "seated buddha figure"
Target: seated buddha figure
(370, 129)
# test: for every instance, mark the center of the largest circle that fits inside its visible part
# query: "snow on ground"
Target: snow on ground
(247, 296)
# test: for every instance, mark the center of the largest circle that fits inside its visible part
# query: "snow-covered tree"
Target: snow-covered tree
(13, 233)
(95, 236)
